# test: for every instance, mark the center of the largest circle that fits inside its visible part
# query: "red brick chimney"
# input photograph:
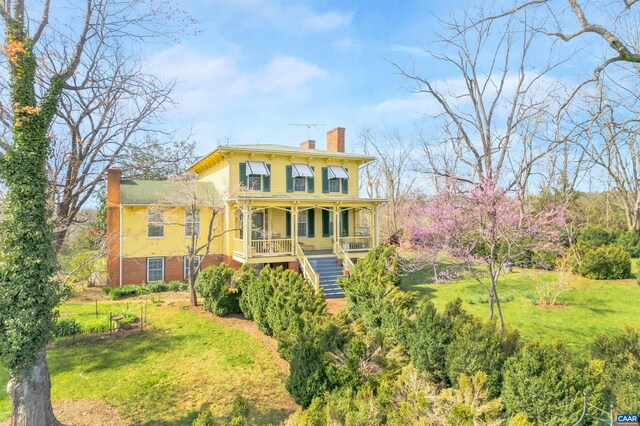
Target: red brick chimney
(114, 177)
(308, 144)
(335, 140)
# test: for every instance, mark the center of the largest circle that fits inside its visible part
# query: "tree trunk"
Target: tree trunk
(30, 393)
(494, 291)
(192, 286)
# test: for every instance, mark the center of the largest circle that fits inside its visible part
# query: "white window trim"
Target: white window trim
(339, 185)
(156, 223)
(163, 268)
(195, 225)
(304, 179)
(303, 215)
(185, 265)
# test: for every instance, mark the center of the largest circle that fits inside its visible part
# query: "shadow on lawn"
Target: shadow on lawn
(105, 352)
(270, 416)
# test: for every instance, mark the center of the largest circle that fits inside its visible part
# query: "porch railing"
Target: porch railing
(271, 247)
(346, 262)
(356, 243)
(307, 269)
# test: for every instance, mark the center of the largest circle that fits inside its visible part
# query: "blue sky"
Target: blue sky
(258, 65)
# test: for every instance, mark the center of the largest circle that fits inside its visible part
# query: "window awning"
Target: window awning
(301, 170)
(336, 172)
(257, 168)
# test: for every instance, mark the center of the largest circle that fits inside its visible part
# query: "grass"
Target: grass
(165, 375)
(590, 308)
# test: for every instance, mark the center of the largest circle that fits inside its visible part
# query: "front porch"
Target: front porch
(274, 234)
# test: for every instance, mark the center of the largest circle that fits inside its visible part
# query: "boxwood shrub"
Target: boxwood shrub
(607, 262)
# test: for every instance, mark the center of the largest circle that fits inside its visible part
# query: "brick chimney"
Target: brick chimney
(114, 177)
(335, 140)
(308, 144)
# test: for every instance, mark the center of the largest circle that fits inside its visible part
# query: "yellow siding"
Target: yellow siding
(136, 243)
(226, 174)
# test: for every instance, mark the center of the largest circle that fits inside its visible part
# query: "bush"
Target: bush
(630, 241)
(307, 373)
(373, 294)
(595, 236)
(205, 418)
(65, 327)
(607, 262)
(128, 290)
(479, 347)
(542, 381)
(215, 284)
(429, 337)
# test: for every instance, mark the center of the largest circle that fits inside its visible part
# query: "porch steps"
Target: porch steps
(329, 271)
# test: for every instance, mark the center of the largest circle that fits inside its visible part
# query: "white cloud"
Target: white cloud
(282, 14)
(209, 83)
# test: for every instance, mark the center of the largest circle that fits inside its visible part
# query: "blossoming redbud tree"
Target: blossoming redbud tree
(484, 230)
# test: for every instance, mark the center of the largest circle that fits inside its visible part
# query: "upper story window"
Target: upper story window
(335, 179)
(255, 175)
(155, 223)
(300, 178)
(191, 222)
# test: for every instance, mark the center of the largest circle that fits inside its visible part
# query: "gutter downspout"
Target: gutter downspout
(120, 248)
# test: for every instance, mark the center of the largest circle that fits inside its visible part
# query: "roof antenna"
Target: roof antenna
(308, 126)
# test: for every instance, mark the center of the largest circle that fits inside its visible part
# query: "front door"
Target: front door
(259, 222)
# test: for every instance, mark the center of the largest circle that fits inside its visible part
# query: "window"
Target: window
(334, 185)
(300, 184)
(254, 182)
(196, 265)
(155, 223)
(191, 222)
(155, 269)
(303, 222)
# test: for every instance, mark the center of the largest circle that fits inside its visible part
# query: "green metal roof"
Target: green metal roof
(145, 192)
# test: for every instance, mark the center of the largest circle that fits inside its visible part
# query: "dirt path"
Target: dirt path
(84, 412)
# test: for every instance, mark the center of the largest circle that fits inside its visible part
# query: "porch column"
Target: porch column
(294, 226)
(246, 229)
(229, 236)
(336, 225)
(376, 226)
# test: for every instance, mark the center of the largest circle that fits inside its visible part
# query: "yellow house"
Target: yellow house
(257, 204)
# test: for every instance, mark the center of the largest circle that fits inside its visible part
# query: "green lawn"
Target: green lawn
(167, 374)
(590, 308)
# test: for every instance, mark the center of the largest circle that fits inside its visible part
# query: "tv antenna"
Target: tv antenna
(308, 126)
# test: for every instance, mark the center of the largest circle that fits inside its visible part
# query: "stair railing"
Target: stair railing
(307, 269)
(339, 251)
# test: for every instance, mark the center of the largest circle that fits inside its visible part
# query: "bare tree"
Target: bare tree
(491, 111)
(34, 88)
(391, 176)
(610, 136)
(197, 200)
(110, 109)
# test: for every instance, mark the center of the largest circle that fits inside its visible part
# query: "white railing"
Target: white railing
(346, 262)
(271, 247)
(356, 243)
(307, 270)
(238, 246)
